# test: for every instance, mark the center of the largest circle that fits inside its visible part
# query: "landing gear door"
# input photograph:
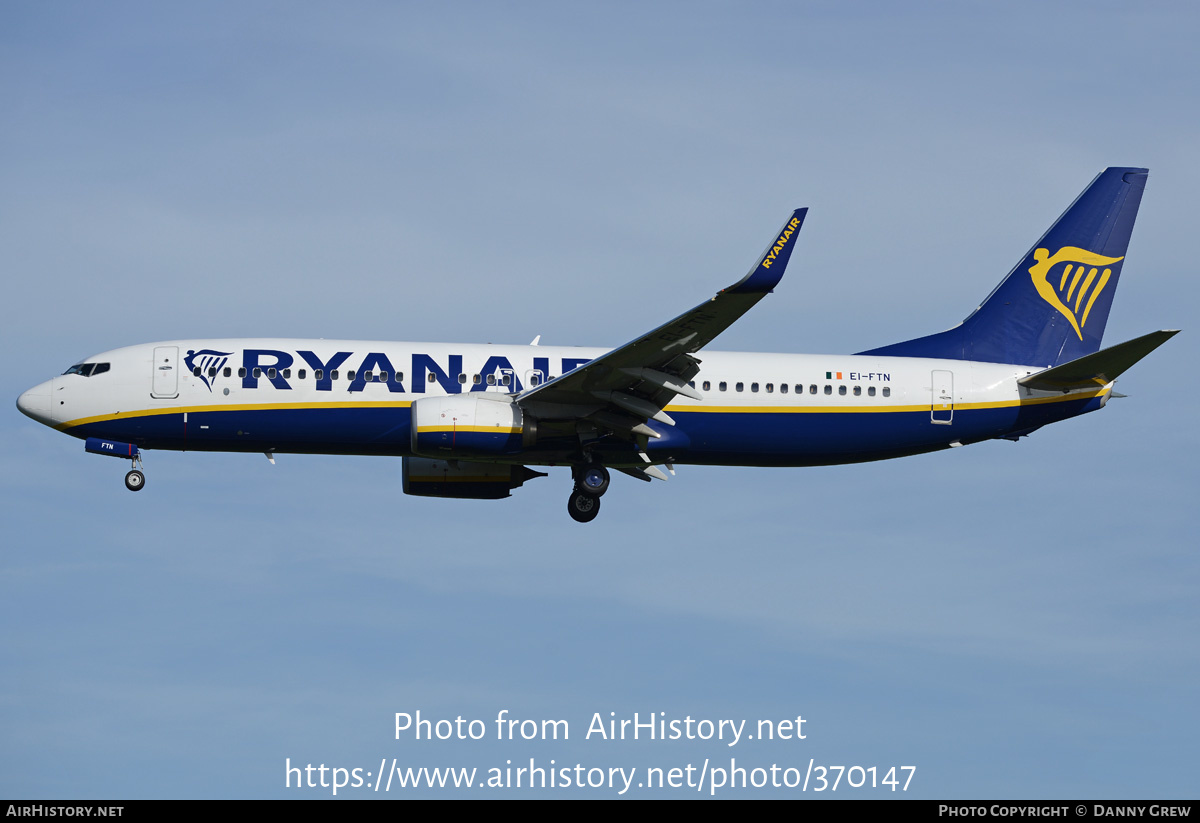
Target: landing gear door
(165, 381)
(943, 397)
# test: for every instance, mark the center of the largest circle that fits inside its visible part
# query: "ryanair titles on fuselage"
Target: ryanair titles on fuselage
(268, 365)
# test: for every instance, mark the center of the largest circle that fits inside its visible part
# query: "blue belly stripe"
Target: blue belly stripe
(724, 437)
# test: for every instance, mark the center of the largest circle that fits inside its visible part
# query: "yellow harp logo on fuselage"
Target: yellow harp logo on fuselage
(1081, 265)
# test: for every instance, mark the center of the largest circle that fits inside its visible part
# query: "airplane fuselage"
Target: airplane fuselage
(355, 397)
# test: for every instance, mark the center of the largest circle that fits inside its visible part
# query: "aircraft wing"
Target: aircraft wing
(621, 390)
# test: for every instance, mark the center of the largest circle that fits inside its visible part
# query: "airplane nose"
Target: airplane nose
(35, 403)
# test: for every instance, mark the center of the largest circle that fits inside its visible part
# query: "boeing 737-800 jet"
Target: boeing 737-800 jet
(468, 420)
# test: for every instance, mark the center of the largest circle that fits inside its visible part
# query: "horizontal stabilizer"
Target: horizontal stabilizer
(1099, 368)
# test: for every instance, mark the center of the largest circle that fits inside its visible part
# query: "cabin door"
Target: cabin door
(943, 397)
(165, 380)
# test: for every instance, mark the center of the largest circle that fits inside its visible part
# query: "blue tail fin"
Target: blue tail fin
(1051, 308)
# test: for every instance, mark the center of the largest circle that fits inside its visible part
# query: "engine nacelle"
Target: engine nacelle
(470, 424)
(456, 478)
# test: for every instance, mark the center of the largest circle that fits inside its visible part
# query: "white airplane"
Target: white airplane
(468, 419)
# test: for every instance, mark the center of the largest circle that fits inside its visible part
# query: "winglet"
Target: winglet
(767, 273)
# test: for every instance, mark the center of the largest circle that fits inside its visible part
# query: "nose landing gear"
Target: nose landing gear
(591, 482)
(134, 479)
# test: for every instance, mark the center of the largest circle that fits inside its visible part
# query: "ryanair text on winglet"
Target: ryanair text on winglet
(792, 228)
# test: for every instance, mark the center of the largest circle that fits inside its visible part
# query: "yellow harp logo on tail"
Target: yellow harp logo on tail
(1068, 294)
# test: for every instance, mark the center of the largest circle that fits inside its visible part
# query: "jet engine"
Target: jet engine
(456, 478)
(473, 424)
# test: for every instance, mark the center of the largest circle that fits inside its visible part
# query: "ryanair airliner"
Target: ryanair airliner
(469, 420)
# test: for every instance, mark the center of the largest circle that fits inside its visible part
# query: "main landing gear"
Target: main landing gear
(591, 482)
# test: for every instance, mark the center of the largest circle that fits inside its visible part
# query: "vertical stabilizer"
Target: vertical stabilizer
(1051, 308)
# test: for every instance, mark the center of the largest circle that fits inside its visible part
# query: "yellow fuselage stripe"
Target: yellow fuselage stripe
(451, 429)
(401, 404)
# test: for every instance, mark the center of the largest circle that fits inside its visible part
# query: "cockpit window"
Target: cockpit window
(87, 369)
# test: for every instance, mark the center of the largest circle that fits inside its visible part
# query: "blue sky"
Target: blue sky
(1015, 620)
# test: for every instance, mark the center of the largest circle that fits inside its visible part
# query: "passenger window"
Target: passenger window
(432, 377)
(212, 371)
(318, 374)
(242, 371)
(333, 375)
(770, 388)
(399, 376)
(491, 379)
(257, 371)
(723, 385)
(476, 379)
(300, 374)
(739, 387)
(782, 388)
(506, 380)
(196, 371)
(870, 391)
(287, 374)
(692, 383)
(887, 392)
(383, 377)
(829, 389)
(271, 373)
(812, 389)
(462, 378)
(842, 390)
(227, 371)
(857, 391)
(707, 385)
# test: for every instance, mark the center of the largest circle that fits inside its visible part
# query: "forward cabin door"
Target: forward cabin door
(165, 381)
(942, 410)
